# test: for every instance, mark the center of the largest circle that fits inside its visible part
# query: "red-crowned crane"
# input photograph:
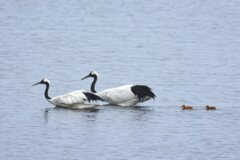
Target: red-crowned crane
(73, 99)
(127, 95)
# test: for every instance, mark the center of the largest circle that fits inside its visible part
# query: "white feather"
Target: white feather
(69, 99)
(122, 96)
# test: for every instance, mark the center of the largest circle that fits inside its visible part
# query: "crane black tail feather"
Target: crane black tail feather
(142, 91)
(92, 97)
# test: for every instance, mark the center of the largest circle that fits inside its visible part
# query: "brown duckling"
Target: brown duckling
(210, 107)
(184, 107)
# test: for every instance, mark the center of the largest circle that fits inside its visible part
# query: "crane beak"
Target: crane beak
(36, 83)
(85, 77)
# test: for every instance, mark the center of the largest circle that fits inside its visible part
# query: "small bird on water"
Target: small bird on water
(210, 107)
(184, 107)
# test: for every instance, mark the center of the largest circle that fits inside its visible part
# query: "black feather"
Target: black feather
(92, 96)
(142, 91)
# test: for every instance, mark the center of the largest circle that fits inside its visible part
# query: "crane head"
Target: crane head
(92, 74)
(43, 81)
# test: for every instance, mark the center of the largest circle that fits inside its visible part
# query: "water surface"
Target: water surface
(187, 51)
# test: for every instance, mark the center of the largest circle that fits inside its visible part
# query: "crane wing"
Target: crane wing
(72, 98)
(76, 97)
(117, 95)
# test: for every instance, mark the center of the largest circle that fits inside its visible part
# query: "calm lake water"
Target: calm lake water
(187, 51)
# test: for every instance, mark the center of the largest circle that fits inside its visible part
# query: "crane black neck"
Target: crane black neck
(46, 91)
(93, 84)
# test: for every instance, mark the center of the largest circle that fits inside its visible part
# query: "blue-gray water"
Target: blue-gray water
(188, 51)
